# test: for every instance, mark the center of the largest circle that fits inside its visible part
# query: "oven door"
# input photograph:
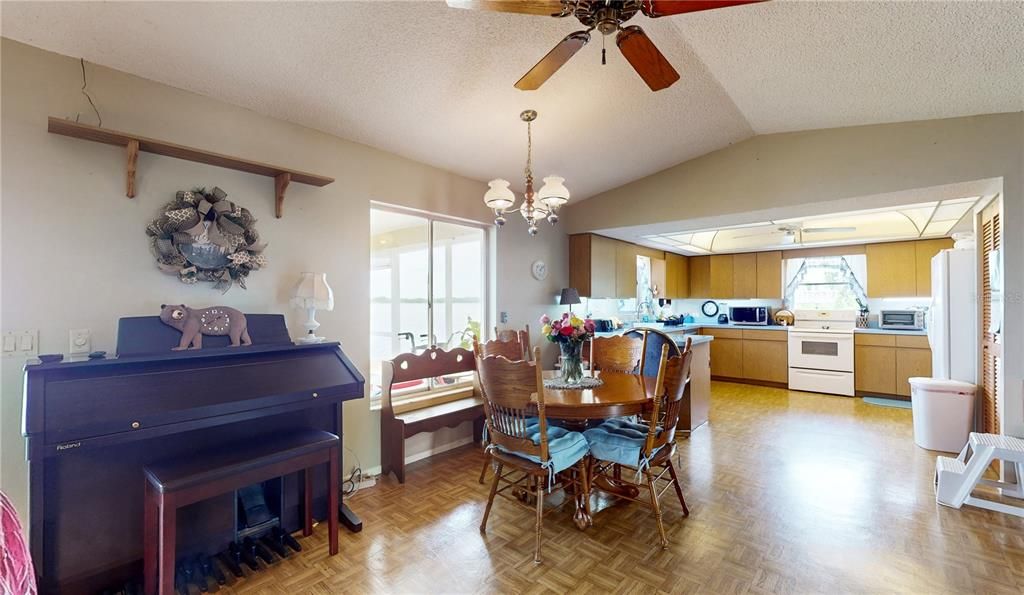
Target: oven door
(817, 350)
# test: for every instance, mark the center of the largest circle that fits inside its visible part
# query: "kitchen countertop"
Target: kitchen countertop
(889, 331)
(699, 325)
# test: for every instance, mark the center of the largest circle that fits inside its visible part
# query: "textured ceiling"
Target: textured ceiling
(435, 84)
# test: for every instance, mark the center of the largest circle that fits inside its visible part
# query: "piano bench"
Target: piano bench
(174, 484)
(397, 427)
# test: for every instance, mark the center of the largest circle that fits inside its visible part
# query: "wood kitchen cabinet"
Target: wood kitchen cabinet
(884, 363)
(625, 270)
(700, 277)
(726, 352)
(902, 269)
(592, 265)
(744, 275)
(721, 276)
(924, 250)
(677, 276)
(766, 356)
(769, 275)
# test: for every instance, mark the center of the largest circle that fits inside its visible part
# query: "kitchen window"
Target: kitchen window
(428, 286)
(826, 283)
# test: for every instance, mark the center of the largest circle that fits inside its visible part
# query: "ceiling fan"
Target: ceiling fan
(791, 233)
(607, 16)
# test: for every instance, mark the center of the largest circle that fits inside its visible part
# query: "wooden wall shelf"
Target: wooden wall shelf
(134, 143)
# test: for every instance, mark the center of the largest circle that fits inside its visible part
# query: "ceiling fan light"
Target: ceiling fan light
(553, 193)
(499, 197)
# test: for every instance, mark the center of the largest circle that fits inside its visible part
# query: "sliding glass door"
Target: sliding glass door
(428, 285)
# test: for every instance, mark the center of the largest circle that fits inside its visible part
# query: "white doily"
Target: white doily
(585, 382)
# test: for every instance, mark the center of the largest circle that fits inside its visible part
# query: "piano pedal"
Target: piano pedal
(244, 555)
(277, 547)
(258, 550)
(285, 538)
(198, 576)
(210, 569)
(232, 561)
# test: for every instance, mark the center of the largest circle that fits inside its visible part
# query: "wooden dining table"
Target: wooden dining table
(618, 395)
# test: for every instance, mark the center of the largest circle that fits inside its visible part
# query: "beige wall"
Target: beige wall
(796, 174)
(74, 250)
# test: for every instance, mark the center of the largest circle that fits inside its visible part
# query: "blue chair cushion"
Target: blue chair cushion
(619, 441)
(565, 448)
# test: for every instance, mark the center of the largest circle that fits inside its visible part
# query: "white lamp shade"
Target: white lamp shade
(499, 197)
(539, 211)
(553, 193)
(312, 291)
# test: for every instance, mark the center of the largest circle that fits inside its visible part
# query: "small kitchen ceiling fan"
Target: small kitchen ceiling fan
(607, 16)
(792, 232)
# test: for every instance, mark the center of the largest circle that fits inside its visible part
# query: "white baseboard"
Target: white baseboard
(376, 470)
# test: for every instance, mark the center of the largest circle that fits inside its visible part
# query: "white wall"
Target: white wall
(73, 249)
(822, 171)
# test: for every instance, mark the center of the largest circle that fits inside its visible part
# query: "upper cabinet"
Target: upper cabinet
(737, 276)
(677, 276)
(902, 269)
(700, 276)
(601, 267)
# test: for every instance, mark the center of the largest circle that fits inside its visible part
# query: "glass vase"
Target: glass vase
(572, 361)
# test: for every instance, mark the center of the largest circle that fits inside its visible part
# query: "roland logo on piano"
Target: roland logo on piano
(68, 446)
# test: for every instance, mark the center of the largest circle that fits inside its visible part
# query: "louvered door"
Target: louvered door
(991, 345)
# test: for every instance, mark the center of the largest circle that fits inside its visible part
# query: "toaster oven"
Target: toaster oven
(907, 320)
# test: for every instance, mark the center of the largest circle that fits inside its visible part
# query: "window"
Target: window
(428, 286)
(826, 283)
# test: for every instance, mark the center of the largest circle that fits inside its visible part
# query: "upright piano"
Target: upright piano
(92, 425)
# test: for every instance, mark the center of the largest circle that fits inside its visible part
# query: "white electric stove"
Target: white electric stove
(821, 351)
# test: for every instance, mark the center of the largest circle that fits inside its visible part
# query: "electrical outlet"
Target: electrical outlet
(79, 341)
(503, 317)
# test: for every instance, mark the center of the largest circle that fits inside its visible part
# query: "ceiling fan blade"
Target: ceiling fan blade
(828, 229)
(554, 60)
(645, 58)
(766, 232)
(664, 8)
(537, 7)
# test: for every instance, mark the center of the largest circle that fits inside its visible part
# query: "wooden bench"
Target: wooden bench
(395, 427)
(174, 484)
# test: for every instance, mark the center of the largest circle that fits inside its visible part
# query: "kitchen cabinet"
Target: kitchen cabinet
(884, 363)
(625, 270)
(721, 276)
(769, 275)
(592, 265)
(902, 269)
(677, 276)
(924, 250)
(744, 275)
(766, 356)
(697, 400)
(700, 277)
(726, 352)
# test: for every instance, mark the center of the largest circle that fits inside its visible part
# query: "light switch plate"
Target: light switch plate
(79, 341)
(21, 344)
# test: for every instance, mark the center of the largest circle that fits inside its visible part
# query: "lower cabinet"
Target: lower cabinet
(884, 364)
(755, 355)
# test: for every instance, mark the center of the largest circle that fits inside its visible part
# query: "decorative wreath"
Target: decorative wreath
(202, 236)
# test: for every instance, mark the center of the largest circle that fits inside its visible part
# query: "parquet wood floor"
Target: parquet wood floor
(789, 492)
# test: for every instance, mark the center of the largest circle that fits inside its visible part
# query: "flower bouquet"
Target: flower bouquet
(569, 332)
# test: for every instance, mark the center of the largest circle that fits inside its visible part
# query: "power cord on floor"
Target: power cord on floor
(351, 485)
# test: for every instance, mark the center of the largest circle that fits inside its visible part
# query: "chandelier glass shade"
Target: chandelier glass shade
(536, 206)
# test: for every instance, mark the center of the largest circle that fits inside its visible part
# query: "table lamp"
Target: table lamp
(312, 293)
(569, 297)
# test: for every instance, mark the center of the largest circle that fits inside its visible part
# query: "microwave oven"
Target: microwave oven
(901, 319)
(753, 315)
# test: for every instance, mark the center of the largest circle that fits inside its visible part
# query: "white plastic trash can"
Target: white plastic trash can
(943, 413)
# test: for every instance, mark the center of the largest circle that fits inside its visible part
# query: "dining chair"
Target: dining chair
(654, 339)
(511, 334)
(528, 453)
(646, 447)
(621, 353)
(512, 344)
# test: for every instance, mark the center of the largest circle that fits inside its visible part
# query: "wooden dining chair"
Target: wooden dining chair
(621, 353)
(653, 340)
(527, 452)
(647, 447)
(511, 334)
(511, 343)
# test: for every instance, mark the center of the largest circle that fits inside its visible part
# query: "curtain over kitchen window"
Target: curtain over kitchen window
(826, 283)
(428, 286)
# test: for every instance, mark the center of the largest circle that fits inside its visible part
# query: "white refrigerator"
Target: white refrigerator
(953, 316)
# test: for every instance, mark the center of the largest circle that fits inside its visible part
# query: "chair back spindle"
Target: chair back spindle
(671, 385)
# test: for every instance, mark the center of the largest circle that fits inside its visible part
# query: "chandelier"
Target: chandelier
(552, 195)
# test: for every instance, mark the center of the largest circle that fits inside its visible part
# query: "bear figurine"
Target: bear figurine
(216, 321)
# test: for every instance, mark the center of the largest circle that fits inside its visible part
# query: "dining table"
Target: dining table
(619, 394)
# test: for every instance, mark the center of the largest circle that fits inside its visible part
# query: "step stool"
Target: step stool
(955, 479)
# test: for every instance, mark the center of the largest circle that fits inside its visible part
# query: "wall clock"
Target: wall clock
(539, 270)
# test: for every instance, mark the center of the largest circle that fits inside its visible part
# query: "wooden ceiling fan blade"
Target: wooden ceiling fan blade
(664, 8)
(537, 7)
(552, 61)
(645, 58)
